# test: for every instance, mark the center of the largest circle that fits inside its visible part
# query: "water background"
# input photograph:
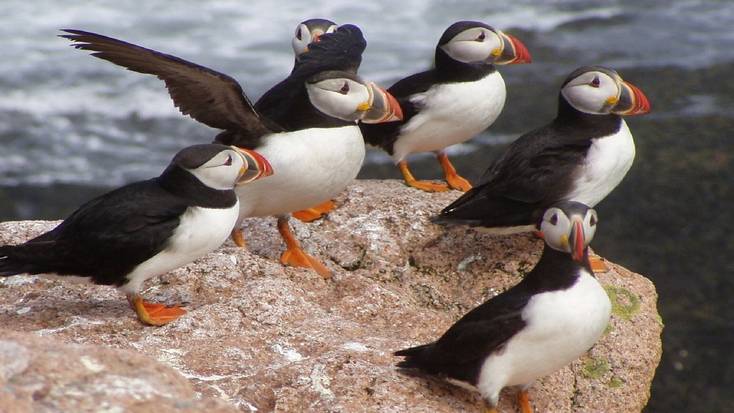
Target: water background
(72, 127)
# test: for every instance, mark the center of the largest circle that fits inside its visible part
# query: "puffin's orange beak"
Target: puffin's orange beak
(577, 241)
(631, 101)
(256, 166)
(516, 53)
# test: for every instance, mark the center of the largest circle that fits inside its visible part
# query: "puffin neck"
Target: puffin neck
(449, 70)
(555, 271)
(184, 184)
(603, 125)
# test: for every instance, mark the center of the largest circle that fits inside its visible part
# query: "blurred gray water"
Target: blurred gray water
(72, 126)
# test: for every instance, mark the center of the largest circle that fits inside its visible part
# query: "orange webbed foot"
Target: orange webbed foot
(427, 186)
(312, 214)
(457, 182)
(152, 313)
(294, 254)
(298, 258)
(238, 237)
(454, 180)
(598, 265)
(523, 399)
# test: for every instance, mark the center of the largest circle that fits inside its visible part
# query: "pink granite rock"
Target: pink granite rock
(263, 337)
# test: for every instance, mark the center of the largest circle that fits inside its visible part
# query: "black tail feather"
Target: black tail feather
(413, 356)
(28, 258)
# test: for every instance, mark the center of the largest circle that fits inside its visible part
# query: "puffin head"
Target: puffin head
(346, 96)
(222, 167)
(309, 31)
(568, 227)
(476, 42)
(599, 90)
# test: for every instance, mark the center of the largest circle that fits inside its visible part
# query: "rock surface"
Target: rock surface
(267, 338)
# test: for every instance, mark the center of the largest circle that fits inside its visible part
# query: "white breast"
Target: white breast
(451, 113)
(561, 326)
(607, 162)
(309, 167)
(200, 231)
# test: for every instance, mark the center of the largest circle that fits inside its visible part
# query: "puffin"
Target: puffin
(308, 32)
(342, 51)
(554, 315)
(459, 97)
(317, 153)
(146, 228)
(582, 155)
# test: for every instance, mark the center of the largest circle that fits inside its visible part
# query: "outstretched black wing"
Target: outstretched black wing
(206, 95)
(341, 50)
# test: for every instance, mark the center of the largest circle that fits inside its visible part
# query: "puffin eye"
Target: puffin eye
(345, 89)
(481, 37)
(595, 82)
(228, 162)
(592, 220)
(553, 219)
(298, 34)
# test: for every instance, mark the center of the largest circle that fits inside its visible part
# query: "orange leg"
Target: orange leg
(455, 181)
(523, 399)
(294, 254)
(154, 314)
(427, 186)
(312, 214)
(597, 264)
(238, 237)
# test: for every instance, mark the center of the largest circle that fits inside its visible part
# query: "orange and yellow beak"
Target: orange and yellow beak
(513, 52)
(384, 107)
(254, 167)
(577, 241)
(631, 101)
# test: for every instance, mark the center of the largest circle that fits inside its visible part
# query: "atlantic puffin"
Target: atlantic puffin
(307, 32)
(317, 155)
(460, 97)
(582, 155)
(553, 316)
(341, 50)
(146, 228)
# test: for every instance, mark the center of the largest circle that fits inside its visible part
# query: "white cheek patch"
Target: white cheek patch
(222, 176)
(585, 98)
(471, 51)
(336, 104)
(299, 46)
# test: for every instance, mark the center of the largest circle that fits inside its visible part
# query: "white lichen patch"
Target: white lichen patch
(14, 359)
(18, 280)
(75, 321)
(91, 364)
(320, 382)
(354, 346)
(288, 353)
(23, 310)
(463, 264)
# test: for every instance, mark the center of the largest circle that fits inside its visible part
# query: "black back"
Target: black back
(446, 70)
(107, 237)
(287, 102)
(461, 351)
(536, 171)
